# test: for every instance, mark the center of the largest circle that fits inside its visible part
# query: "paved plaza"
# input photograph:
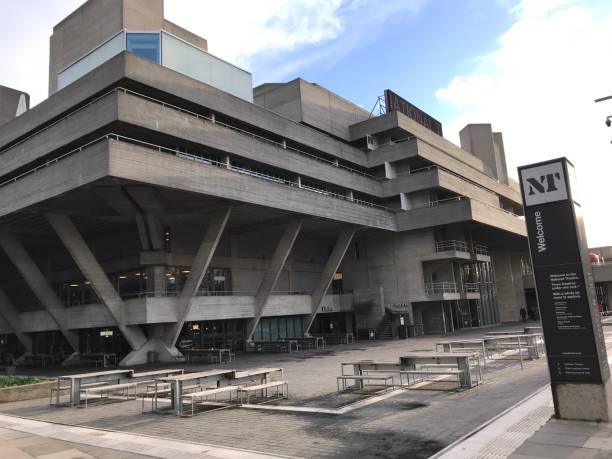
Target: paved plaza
(407, 423)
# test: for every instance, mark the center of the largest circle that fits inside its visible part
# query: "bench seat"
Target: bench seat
(264, 387)
(345, 378)
(433, 372)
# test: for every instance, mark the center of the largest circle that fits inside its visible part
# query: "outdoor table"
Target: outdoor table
(531, 341)
(41, 359)
(104, 357)
(176, 385)
(340, 338)
(461, 345)
(220, 352)
(263, 372)
(410, 360)
(77, 380)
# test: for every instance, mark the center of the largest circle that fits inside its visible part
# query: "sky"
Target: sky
(531, 68)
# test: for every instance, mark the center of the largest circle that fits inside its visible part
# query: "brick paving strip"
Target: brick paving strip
(117, 441)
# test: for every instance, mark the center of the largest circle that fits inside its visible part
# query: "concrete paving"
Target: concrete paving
(529, 431)
(411, 423)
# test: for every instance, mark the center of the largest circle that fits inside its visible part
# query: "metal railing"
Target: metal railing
(451, 287)
(441, 287)
(461, 246)
(282, 145)
(201, 159)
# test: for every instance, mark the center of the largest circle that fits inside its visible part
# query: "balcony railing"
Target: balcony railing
(451, 287)
(461, 246)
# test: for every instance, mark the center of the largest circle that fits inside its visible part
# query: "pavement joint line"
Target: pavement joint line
(91, 437)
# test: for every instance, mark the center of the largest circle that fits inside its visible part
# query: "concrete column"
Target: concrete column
(198, 269)
(89, 266)
(349, 195)
(273, 271)
(38, 284)
(390, 170)
(330, 268)
(11, 315)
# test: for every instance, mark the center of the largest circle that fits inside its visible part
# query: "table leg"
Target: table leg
(466, 377)
(75, 392)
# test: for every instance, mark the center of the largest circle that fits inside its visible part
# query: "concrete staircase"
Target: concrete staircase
(385, 329)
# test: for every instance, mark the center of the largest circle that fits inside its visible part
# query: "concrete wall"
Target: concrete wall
(311, 104)
(509, 282)
(13, 103)
(82, 31)
(481, 141)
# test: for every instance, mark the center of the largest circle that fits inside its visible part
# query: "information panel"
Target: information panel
(563, 275)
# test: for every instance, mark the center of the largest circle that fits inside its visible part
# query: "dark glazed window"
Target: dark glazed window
(145, 45)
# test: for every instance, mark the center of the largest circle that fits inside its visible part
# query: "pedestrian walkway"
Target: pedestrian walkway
(26, 438)
(527, 430)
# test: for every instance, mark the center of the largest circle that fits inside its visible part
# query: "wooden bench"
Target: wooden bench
(363, 378)
(264, 387)
(207, 393)
(431, 372)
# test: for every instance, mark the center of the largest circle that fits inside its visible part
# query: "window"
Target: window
(145, 45)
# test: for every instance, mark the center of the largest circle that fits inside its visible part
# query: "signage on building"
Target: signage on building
(394, 102)
(563, 276)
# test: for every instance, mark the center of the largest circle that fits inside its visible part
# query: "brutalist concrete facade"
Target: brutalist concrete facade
(142, 209)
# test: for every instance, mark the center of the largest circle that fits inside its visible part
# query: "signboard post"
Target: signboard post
(577, 359)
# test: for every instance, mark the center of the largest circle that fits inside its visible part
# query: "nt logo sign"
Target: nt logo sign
(545, 184)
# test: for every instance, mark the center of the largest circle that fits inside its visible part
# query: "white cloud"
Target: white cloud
(538, 87)
(238, 29)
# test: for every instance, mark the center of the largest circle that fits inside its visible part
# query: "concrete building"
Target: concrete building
(156, 200)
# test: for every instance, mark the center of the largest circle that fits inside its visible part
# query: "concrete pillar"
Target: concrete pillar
(349, 195)
(273, 271)
(38, 284)
(200, 264)
(11, 315)
(390, 170)
(330, 268)
(89, 266)
(404, 201)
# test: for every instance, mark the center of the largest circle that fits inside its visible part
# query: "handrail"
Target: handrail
(451, 287)
(190, 156)
(461, 246)
(198, 116)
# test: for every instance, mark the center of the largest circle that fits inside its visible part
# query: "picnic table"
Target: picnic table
(463, 345)
(336, 338)
(78, 380)
(222, 355)
(410, 361)
(41, 360)
(198, 378)
(104, 359)
(312, 342)
(520, 341)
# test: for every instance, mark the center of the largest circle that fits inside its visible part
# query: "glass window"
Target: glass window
(145, 45)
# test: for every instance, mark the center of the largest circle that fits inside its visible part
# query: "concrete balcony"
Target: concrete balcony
(460, 251)
(602, 272)
(443, 291)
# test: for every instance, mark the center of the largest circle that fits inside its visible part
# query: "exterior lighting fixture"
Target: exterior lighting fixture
(74, 285)
(185, 271)
(122, 277)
